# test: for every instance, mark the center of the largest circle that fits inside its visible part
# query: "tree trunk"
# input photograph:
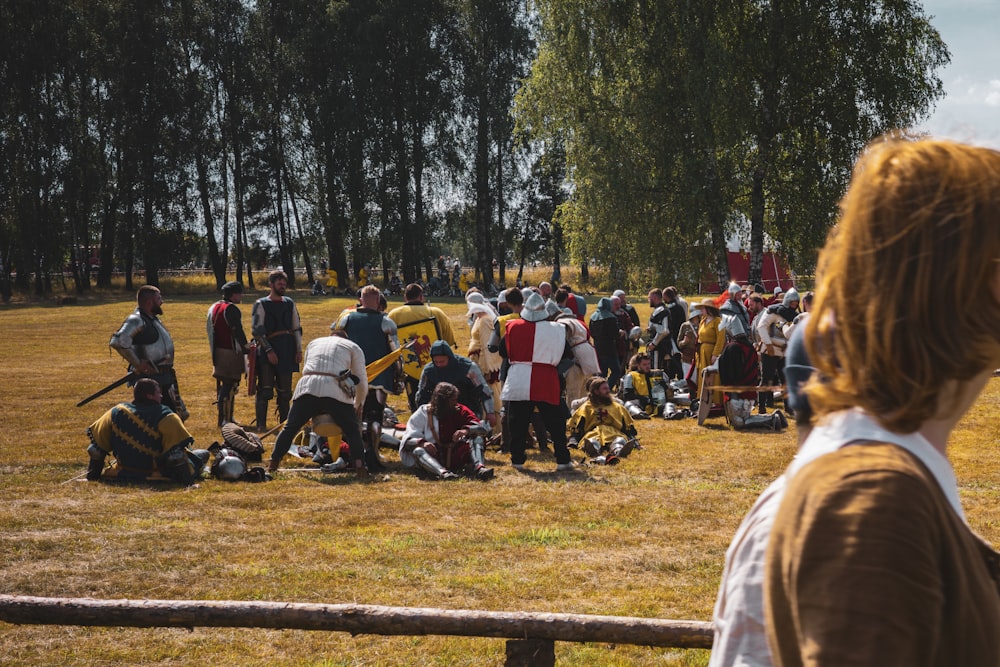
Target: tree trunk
(409, 240)
(419, 219)
(333, 227)
(756, 225)
(557, 237)
(242, 256)
(484, 244)
(356, 196)
(109, 220)
(214, 260)
(298, 225)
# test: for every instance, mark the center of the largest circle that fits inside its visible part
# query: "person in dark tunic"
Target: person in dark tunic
(278, 332)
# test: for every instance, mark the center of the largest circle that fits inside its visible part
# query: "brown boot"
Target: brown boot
(272, 465)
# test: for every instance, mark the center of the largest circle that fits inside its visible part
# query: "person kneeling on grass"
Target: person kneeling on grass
(443, 436)
(602, 426)
(147, 439)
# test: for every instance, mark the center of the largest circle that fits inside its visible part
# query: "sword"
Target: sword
(114, 385)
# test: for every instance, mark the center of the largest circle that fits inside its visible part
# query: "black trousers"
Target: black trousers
(554, 416)
(307, 406)
(772, 371)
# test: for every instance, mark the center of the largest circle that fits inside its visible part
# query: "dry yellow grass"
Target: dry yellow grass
(646, 538)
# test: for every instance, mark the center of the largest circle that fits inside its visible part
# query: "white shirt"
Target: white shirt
(326, 358)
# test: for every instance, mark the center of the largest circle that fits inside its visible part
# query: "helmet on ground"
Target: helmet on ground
(229, 465)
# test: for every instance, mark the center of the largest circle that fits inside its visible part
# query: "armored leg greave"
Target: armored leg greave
(429, 463)
(590, 447)
(96, 465)
(226, 396)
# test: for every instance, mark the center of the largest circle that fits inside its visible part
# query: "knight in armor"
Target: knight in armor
(377, 336)
(278, 333)
(146, 345)
(229, 347)
(740, 366)
(661, 342)
(534, 347)
(444, 436)
(733, 307)
(446, 366)
(602, 427)
(676, 316)
(413, 310)
(644, 390)
(147, 439)
(333, 383)
(608, 337)
(509, 305)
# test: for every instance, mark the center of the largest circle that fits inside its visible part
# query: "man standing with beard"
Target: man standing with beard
(278, 332)
(146, 345)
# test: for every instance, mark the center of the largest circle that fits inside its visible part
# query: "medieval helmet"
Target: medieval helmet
(229, 465)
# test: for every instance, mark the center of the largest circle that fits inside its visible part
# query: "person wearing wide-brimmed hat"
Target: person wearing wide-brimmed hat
(711, 339)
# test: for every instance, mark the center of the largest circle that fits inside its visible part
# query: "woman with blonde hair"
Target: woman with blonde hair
(870, 560)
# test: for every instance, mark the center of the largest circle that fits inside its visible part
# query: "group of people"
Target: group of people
(536, 364)
(147, 436)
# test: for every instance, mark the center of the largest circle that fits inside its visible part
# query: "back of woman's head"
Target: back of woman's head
(907, 298)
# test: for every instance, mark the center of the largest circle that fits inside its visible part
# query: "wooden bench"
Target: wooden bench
(709, 377)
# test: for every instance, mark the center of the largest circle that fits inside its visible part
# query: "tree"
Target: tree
(824, 79)
(495, 49)
(683, 118)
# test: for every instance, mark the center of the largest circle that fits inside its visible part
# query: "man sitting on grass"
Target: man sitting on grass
(443, 436)
(148, 440)
(602, 426)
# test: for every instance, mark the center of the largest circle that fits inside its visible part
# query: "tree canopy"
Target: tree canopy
(154, 134)
(684, 121)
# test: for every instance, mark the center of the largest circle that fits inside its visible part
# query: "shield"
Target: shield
(418, 336)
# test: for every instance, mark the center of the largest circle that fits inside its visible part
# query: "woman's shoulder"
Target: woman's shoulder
(864, 475)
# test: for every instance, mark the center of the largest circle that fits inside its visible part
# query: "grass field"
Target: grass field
(645, 538)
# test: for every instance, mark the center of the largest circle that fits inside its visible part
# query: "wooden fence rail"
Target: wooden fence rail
(539, 629)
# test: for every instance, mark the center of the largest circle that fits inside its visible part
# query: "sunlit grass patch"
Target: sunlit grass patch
(644, 538)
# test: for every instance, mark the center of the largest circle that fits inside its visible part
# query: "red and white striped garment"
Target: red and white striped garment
(533, 349)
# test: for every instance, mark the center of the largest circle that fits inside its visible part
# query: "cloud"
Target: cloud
(993, 93)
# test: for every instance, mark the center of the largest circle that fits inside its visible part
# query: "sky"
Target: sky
(970, 109)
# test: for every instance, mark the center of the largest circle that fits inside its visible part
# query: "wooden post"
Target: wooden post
(530, 653)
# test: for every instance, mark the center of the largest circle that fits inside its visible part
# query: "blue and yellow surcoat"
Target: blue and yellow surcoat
(138, 436)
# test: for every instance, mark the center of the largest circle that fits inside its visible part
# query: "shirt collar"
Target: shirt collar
(851, 426)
